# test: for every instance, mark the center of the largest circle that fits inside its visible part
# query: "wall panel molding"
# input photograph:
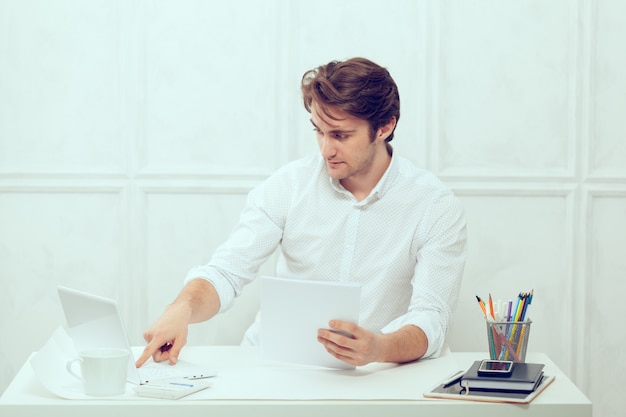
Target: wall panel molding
(603, 243)
(181, 89)
(512, 189)
(606, 159)
(501, 145)
(60, 91)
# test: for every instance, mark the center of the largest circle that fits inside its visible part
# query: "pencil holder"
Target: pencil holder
(508, 340)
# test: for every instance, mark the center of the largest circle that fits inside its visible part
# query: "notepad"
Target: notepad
(293, 310)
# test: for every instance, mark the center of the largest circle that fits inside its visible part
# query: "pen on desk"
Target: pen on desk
(193, 378)
(452, 379)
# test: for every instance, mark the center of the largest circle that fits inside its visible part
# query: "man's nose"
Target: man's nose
(326, 147)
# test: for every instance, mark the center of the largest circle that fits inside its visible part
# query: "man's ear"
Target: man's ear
(386, 130)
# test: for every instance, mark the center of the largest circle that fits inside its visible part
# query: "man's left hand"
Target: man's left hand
(351, 343)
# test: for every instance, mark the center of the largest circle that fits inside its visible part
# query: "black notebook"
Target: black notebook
(524, 377)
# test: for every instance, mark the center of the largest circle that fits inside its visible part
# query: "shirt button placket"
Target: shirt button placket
(352, 227)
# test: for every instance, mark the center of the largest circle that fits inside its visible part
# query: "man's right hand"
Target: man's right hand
(167, 335)
(198, 301)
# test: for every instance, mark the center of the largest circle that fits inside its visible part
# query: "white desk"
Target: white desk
(25, 396)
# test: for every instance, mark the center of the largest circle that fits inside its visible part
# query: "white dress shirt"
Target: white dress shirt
(405, 244)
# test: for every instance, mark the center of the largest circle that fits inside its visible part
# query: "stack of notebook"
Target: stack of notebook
(524, 377)
(522, 385)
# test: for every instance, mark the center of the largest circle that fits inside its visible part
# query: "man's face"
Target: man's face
(345, 144)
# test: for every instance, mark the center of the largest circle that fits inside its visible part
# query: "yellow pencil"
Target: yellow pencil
(520, 340)
(518, 310)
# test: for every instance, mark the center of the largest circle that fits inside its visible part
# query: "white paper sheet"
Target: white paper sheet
(377, 381)
(293, 310)
(244, 376)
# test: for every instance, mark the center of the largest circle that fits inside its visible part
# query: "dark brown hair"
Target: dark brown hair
(357, 87)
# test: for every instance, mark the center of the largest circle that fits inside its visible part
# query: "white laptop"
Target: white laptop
(292, 310)
(96, 322)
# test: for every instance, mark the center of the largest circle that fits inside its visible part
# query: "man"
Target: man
(357, 212)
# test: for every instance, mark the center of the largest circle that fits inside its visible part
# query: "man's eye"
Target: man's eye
(340, 136)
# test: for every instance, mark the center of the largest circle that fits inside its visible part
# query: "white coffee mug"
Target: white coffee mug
(102, 371)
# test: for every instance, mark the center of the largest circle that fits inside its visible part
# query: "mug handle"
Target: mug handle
(69, 365)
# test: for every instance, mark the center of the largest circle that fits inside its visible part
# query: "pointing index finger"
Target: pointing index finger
(148, 351)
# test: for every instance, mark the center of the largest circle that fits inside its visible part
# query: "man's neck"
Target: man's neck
(362, 185)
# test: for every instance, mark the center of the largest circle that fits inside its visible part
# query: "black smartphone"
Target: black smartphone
(495, 368)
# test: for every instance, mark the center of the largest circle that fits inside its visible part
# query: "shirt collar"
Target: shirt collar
(383, 185)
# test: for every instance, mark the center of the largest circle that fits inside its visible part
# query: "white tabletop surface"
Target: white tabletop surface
(248, 386)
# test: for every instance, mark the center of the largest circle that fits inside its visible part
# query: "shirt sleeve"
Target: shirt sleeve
(440, 260)
(256, 236)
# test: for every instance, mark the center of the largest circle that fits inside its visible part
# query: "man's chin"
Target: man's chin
(335, 173)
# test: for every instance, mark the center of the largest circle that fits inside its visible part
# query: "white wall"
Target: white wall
(131, 131)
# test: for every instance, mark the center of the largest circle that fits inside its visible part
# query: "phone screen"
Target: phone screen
(495, 367)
